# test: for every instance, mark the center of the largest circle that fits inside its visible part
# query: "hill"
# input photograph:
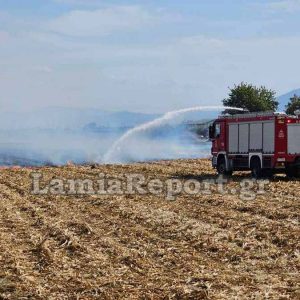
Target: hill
(61, 118)
(70, 118)
(284, 99)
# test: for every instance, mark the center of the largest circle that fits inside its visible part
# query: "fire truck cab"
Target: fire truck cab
(264, 143)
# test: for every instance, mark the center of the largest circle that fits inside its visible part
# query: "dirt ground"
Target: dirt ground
(144, 246)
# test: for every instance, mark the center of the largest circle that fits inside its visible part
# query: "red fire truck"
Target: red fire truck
(264, 143)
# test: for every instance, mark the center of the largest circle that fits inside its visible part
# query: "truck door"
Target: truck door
(219, 141)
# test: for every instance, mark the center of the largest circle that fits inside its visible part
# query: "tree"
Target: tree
(252, 98)
(293, 105)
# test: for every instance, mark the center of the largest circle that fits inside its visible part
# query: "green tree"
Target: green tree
(293, 105)
(252, 98)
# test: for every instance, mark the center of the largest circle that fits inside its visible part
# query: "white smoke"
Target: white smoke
(119, 150)
(32, 140)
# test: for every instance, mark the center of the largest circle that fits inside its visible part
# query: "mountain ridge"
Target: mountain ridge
(285, 98)
(55, 117)
(71, 118)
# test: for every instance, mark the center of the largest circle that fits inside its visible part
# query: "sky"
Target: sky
(146, 56)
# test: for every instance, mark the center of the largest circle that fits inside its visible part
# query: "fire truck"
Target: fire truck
(265, 143)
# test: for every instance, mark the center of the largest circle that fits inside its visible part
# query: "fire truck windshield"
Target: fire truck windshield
(214, 131)
(217, 130)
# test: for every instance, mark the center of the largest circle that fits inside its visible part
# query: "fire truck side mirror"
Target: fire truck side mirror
(211, 132)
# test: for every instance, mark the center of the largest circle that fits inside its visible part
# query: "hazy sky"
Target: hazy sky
(149, 56)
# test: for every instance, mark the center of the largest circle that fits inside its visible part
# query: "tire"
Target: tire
(297, 168)
(291, 172)
(229, 173)
(256, 170)
(267, 173)
(221, 167)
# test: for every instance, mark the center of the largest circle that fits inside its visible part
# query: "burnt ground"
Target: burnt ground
(144, 246)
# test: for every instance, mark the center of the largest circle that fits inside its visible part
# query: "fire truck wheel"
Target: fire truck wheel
(267, 173)
(291, 172)
(221, 167)
(298, 167)
(255, 167)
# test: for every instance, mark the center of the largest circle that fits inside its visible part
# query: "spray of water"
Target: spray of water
(173, 117)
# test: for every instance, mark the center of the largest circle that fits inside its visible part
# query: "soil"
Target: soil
(204, 246)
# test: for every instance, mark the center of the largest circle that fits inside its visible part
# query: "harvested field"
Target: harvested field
(144, 246)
